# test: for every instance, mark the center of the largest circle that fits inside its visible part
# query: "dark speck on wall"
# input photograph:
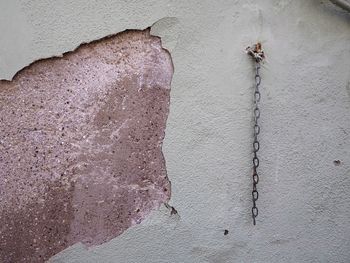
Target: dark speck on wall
(337, 162)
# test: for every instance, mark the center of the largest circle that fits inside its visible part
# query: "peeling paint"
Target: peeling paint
(81, 139)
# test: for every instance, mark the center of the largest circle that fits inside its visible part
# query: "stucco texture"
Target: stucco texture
(304, 200)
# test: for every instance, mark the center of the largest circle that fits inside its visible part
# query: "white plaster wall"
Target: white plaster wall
(304, 199)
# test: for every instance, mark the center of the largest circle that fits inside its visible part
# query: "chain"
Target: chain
(256, 144)
(258, 55)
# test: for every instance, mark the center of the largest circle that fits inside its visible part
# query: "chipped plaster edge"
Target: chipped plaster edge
(165, 27)
(160, 29)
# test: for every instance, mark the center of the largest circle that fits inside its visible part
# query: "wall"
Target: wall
(304, 204)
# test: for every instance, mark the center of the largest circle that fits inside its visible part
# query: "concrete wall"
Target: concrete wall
(304, 201)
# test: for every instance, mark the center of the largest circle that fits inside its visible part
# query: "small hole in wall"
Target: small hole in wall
(225, 232)
(337, 162)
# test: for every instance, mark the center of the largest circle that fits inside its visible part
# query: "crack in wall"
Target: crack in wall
(81, 142)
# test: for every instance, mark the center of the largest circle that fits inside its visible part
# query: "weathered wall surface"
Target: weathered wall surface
(81, 145)
(304, 202)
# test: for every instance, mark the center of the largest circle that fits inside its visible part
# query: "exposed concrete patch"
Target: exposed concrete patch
(81, 140)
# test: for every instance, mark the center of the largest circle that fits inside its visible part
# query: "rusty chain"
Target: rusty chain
(258, 55)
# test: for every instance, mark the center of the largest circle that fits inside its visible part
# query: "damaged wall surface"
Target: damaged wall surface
(81, 140)
(305, 123)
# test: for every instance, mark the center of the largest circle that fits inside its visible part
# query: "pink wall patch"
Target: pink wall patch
(81, 145)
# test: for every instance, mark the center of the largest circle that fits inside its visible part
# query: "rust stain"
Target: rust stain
(81, 138)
